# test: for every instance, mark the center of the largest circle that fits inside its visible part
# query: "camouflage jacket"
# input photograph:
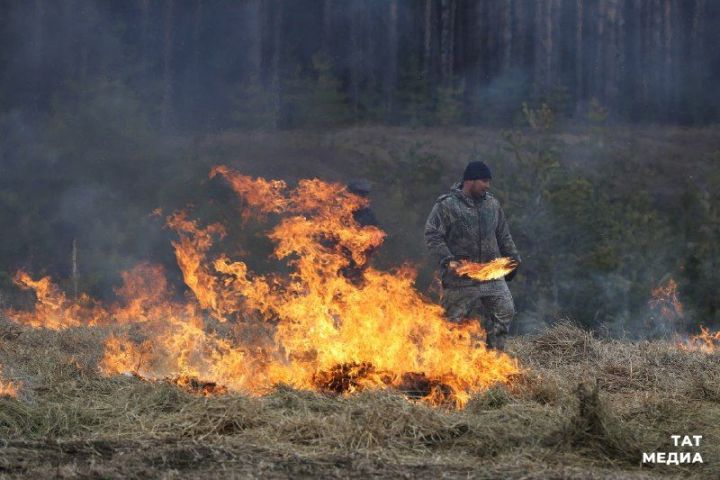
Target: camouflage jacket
(460, 227)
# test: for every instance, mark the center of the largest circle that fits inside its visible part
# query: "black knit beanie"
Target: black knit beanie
(476, 170)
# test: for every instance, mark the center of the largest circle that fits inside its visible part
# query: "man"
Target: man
(468, 223)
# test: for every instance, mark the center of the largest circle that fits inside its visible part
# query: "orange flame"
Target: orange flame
(8, 389)
(144, 294)
(263, 196)
(706, 341)
(665, 300)
(53, 309)
(496, 268)
(667, 309)
(313, 329)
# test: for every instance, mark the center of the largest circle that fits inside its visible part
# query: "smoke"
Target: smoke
(109, 110)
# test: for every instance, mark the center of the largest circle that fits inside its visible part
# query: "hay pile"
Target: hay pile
(584, 408)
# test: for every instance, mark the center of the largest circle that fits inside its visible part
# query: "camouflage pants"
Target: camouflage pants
(496, 308)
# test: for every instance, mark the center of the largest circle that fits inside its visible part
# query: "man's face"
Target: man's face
(478, 187)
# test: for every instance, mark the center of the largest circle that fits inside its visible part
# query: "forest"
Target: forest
(597, 116)
(206, 64)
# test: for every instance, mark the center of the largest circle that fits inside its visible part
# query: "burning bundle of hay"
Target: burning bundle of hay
(497, 268)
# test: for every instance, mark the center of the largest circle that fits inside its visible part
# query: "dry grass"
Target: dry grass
(584, 408)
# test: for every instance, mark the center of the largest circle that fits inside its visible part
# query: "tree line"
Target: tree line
(285, 63)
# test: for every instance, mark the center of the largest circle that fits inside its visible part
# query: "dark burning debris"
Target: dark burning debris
(355, 377)
(202, 387)
(418, 385)
(350, 377)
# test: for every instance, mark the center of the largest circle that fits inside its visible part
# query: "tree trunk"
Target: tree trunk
(610, 52)
(168, 32)
(144, 21)
(391, 67)
(645, 52)
(697, 33)
(657, 55)
(506, 20)
(539, 50)
(368, 73)
(599, 72)
(68, 37)
(481, 41)
(38, 33)
(555, 40)
(276, 63)
(621, 75)
(697, 53)
(427, 41)
(197, 26)
(355, 57)
(451, 40)
(462, 14)
(328, 16)
(543, 45)
(491, 39)
(253, 24)
(548, 40)
(37, 57)
(521, 26)
(445, 41)
(668, 70)
(579, 51)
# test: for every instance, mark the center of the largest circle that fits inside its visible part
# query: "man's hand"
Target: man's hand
(450, 263)
(509, 277)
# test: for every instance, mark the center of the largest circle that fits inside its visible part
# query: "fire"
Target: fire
(706, 341)
(497, 268)
(190, 253)
(665, 302)
(8, 389)
(311, 329)
(198, 386)
(53, 309)
(666, 310)
(262, 195)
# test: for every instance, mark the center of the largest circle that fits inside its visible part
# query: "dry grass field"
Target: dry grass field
(583, 407)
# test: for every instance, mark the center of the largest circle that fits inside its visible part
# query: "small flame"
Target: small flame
(8, 389)
(664, 301)
(666, 310)
(53, 309)
(706, 341)
(492, 270)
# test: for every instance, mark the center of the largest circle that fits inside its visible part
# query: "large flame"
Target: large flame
(318, 327)
(496, 268)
